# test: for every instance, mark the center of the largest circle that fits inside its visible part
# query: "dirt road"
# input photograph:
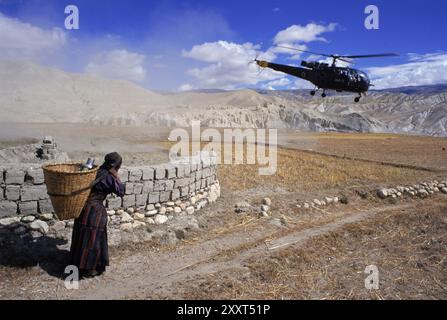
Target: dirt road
(160, 273)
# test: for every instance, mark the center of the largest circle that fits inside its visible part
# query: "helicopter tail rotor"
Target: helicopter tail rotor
(255, 60)
(261, 64)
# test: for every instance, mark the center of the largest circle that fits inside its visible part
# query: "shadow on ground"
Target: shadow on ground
(19, 252)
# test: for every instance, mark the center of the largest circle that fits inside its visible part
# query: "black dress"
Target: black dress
(89, 247)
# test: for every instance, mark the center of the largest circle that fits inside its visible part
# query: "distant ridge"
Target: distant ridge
(208, 90)
(33, 93)
(428, 89)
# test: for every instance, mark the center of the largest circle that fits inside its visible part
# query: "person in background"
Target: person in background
(89, 247)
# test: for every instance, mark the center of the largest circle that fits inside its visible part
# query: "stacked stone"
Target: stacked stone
(422, 190)
(35, 225)
(161, 213)
(316, 203)
(265, 207)
(163, 183)
(23, 192)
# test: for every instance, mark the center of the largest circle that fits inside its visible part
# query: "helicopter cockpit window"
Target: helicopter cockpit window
(349, 74)
(363, 75)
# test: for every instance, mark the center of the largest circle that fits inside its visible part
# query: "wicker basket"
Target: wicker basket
(68, 188)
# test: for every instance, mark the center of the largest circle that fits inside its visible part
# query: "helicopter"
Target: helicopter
(327, 76)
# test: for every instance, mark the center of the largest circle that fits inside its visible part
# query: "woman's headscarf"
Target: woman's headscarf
(112, 160)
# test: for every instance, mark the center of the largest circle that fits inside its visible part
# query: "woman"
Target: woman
(89, 248)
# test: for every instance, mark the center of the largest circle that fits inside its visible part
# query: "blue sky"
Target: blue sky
(172, 45)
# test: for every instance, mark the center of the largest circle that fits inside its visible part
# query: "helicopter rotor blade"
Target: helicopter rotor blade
(305, 51)
(372, 56)
(336, 57)
(344, 60)
(340, 57)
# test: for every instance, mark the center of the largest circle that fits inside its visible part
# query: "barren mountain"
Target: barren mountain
(33, 93)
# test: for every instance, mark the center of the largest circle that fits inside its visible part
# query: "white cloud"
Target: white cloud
(420, 70)
(223, 50)
(186, 87)
(307, 33)
(277, 84)
(229, 65)
(296, 36)
(118, 64)
(314, 57)
(20, 40)
(289, 49)
(23, 40)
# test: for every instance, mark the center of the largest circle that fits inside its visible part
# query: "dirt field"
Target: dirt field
(427, 152)
(9, 143)
(143, 144)
(302, 171)
(292, 254)
(407, 246)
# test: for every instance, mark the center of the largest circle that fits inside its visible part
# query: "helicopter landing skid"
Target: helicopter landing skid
(313, 92)
(323, 95)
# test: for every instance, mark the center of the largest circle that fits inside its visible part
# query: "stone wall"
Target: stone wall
(159, 204)
(23, 191)
(164, 183)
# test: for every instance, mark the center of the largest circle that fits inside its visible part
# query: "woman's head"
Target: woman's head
(112, 161)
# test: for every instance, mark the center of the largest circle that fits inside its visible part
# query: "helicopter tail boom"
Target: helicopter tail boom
(293, 71)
